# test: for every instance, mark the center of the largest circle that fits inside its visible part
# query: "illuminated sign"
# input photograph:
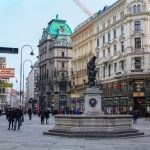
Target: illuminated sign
(75, 95)
(138, 94)
(6, 72)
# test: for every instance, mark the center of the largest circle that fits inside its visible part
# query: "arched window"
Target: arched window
(139, 8)
(134, 9)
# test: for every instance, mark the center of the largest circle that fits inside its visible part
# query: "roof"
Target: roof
(58, 26)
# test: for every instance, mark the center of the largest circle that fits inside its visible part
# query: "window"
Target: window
(115, 49)
(103, 39)
(137, 43)
(103, 25)
(109, 70)
(63, 65)
(134, 9)
(115, 67)
(138, 8)
(137, 25)
(97, 42)
(104, 71)
(138, 62)
(62, 54)
(122, 30)
(122, 14)
(115, 35)
(103, 53)
(109, 36)
(97, 29)
(114, 18)
(122, 65)
(122, 46)
(109, 22)
(108, 51)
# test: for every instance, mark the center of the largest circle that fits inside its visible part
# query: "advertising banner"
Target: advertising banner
(6, 72)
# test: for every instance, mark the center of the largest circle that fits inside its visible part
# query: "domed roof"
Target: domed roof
(58, 26)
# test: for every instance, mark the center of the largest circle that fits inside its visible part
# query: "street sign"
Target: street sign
(9, 50)
(6, 85)
(6, 72)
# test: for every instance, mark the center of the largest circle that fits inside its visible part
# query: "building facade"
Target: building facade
(121, 37)
(122, 44)
(3, 100)
(83, 50)
(55, 54)
(31, 95)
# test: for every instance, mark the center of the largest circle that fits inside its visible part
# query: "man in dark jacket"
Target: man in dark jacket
(46, 114)
(17, 115)
(30, 113)
(11, 118)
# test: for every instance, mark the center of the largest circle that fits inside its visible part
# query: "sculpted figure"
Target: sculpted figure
(91, 72)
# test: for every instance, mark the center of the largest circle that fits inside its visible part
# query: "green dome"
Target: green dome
(57, 26)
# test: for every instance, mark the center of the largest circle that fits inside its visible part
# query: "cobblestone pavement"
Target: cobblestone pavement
(31, 137)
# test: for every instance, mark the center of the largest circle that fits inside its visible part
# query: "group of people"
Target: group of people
(44, 114)
(15, 118)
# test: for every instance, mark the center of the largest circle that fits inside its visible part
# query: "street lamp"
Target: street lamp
(23, 73)
(31, 53)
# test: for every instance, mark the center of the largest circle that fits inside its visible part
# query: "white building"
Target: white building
(12, 97)
(122, 43)
(31, 92)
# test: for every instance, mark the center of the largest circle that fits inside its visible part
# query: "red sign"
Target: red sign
(6, 72)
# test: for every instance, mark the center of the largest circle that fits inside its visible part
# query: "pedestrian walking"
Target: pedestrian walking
(46, 114)
(30, 113)
(42, 116)
(135, 117)
(11, 118)
(17, 118)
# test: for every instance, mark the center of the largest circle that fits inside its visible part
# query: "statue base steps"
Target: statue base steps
(93, 126)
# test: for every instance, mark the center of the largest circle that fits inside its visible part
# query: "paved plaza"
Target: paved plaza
(31, 137)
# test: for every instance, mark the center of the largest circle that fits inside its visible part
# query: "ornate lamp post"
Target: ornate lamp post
(31, 53)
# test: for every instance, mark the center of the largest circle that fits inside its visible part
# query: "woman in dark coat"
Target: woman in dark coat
(11, 118)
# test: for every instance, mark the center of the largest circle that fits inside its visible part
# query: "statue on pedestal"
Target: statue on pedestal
(91, 72)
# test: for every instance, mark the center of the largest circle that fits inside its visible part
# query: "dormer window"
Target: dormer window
(136, 8)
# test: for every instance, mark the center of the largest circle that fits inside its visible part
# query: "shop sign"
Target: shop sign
(75, 95)
(138, 94)
(6, 85)
(6, 72)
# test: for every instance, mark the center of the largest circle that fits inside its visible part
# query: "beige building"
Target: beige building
(83, 50)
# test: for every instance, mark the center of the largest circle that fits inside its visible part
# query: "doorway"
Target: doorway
(139, 105)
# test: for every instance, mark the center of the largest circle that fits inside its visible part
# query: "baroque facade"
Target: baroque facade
(121, 40)
(83, 50)
(55, 54)
(122, 37)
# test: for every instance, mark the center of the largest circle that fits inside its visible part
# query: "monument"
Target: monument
(93, 122)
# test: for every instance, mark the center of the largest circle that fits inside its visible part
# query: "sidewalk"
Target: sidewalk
(31, 137)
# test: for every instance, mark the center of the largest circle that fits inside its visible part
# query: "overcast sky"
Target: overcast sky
(22, 22)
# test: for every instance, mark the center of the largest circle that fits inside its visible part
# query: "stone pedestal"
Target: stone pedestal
(92, 97)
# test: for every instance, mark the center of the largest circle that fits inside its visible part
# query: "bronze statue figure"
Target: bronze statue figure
(91, 72)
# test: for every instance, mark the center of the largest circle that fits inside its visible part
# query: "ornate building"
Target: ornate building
(55, 54)
(83, 50)
(122, 43)
(119, 35)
